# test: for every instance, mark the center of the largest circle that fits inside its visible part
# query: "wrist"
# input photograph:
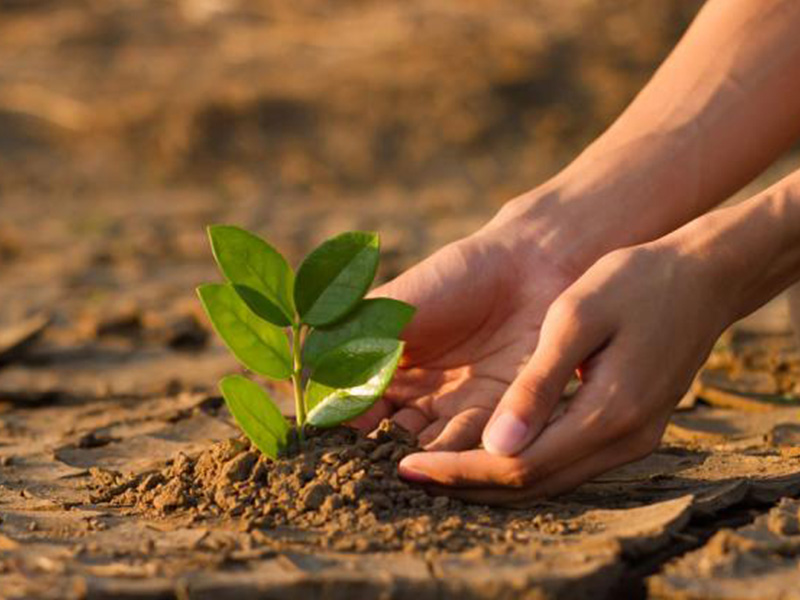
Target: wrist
(747, 253)
(615, 194)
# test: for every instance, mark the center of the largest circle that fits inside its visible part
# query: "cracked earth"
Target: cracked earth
(127, 128)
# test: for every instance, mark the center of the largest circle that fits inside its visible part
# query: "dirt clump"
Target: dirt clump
(342, 492)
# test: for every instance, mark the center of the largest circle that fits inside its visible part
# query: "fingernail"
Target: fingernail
(505, 435)
(412, 474)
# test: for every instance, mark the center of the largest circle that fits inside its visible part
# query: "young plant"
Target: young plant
(314, 327)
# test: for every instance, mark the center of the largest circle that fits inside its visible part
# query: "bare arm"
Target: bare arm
(611, 266)
(723, 105)
(641, 321)
(598, 268)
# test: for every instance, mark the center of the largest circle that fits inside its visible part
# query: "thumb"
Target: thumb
(568, 337)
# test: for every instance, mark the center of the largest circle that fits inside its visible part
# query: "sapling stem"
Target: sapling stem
(297, 379)
(342, 350)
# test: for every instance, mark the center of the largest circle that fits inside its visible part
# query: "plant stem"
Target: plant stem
(297, 380)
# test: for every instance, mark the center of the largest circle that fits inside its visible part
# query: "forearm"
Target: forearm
(723, 105)
(750, 252)
(718, 111)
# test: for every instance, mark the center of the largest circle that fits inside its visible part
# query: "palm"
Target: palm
(480, 307)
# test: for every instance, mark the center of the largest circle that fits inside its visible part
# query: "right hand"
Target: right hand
(480, 304)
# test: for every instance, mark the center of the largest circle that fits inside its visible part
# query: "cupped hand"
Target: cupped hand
(480, 305)
(638, 324)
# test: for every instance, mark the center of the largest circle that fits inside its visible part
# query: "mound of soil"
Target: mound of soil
(342, 493)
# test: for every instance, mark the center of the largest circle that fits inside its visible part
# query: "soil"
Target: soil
(125, 128)
(342, 491)
(765, 554)
(158, 496)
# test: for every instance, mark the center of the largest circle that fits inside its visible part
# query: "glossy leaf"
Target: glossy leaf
(260, 346)
(260, 274)
(256, 414)
(349, 379)
(373, 318)
(335, 276)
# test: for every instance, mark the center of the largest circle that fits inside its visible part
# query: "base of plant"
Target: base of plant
(341, 491)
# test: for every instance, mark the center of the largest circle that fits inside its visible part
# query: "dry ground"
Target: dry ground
(126, 127)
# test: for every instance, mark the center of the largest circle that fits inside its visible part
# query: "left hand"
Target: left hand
(638, 324)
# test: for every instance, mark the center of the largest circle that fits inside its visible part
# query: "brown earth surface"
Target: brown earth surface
(155, 495)
(760, 560)
(126, 127)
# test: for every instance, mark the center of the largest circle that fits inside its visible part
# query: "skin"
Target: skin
(610, 268)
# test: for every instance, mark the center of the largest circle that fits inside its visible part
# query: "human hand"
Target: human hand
(639, 324)
(480, 303)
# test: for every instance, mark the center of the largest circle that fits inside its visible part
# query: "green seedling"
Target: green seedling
(314, 328)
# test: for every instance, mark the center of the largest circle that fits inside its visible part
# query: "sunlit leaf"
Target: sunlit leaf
(372, 318)
(260, 346)
(256, 414)
(350, 378)
(260, 274)
(335, 276)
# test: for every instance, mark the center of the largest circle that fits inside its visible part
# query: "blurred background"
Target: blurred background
(127, 126)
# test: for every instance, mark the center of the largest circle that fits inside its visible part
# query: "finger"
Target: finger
(568, 337)
(463, 408)
(462, 431)
(409, 384)
(451, 468)
(411, 419)
(624, 451)
(431, 432)
(594, 419)
(372, 418)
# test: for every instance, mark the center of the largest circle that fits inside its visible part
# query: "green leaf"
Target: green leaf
(261, 347)
(256, 414)
(373, 318)
(335, 276)
(260, 274)
(349, 379)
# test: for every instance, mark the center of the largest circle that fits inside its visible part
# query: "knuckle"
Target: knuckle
(630, 256)
(646, 441)
(617, 419)
(631, 418)
(567, 309)
(610, 262)
(621, 411)
(537, 390)
(545, 490)
(603, 419)
(552, 489)
(518, 475)
(582, 310)
(637, 259)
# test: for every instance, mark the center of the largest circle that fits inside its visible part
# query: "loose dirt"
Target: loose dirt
(342, 491)
(159, 496)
